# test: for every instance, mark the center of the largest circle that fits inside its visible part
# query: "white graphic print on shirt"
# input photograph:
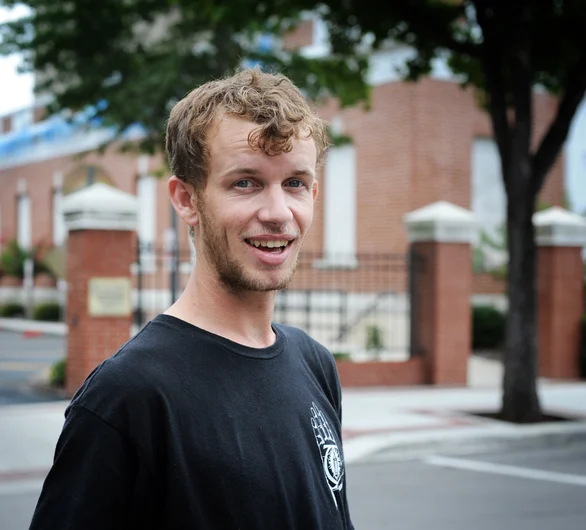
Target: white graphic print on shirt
(331, 457)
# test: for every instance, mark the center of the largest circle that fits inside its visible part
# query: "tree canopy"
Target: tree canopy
(133, 59)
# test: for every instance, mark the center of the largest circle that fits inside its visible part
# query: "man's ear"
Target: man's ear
(182, 196)
(315, 189)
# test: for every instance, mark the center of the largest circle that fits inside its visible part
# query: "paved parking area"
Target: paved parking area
(534, 489)
(480, 492)
(22, 359)
(530, 490)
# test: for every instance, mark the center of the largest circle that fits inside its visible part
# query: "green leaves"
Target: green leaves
(143, 55)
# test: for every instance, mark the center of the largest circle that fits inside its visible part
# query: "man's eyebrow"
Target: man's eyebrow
(304, 173)
(252, 172)
(242, 171)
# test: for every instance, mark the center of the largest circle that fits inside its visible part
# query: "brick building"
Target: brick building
(420, 143)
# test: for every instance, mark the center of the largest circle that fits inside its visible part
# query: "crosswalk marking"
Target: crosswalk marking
(512, 471)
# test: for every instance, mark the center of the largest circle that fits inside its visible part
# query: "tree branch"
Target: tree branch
(441, 35)
(522, 91)
(495, 86)
(557, 133)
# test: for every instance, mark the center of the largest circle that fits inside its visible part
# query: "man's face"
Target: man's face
(256, 209)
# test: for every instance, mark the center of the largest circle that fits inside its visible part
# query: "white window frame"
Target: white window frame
(59, 228)
(24, 224)
(340, 208)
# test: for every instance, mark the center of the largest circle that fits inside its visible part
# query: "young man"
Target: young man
(212, 417)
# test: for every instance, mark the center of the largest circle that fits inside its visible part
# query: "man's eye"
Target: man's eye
(243, 184)
(296, 183)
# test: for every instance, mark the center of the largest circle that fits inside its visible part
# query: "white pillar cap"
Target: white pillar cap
(556, 227)
(100, 207)
(442, 222)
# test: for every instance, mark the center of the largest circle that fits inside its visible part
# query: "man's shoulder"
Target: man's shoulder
(309, 347)
(318, 362)
(132, 377)
(298, 336)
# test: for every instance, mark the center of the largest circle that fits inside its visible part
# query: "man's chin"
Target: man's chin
(265, 286)
(265, 283)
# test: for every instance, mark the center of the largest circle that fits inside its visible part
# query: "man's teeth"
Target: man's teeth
(269, 244)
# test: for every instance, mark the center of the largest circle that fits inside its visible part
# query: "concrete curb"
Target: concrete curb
(33, 328)
(41, 384)
(412, 446)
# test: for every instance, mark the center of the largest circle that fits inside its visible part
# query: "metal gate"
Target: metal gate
(359, 306)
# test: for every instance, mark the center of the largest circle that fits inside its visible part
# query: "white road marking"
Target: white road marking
(512, 471)
(21, 366)
(21, 486)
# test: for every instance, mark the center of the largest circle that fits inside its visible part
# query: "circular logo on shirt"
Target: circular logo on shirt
(333, 467)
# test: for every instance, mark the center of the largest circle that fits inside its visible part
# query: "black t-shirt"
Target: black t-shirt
(183, 429)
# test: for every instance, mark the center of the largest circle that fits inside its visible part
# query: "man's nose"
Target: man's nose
(275, 208)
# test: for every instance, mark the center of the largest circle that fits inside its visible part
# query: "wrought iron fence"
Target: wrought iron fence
(359, 306)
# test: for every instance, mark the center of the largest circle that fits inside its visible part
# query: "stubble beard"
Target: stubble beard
(230, 271)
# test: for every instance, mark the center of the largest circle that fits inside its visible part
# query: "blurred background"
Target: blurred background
(465, 113)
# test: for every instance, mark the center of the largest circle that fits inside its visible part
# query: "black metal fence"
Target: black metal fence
(359, 305)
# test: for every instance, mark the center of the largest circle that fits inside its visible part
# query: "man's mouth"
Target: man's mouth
(274, 246)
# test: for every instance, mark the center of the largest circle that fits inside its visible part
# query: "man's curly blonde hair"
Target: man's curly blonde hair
(270, 100)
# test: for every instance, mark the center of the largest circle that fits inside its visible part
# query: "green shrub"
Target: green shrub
(583, 347)
(50, 312)
(57, 375)
(12, 309)
(374, 339)
(13, 257)
(488, 327)
(342, 356)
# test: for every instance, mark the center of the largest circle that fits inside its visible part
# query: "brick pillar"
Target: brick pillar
(440, 235)
(560, 235)
(101, 221)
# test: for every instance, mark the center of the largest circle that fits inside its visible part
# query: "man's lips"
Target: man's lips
(274, 255)
(265, 242)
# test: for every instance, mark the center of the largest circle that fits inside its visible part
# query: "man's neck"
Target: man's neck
(243, 317)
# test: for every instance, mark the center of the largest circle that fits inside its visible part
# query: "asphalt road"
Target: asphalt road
(533, 490)
(22, 360)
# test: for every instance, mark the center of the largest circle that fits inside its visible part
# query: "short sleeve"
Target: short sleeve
(92, 478)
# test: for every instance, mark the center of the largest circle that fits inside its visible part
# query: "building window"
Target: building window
(23, 237)
(488, 204)
(146, 191)
(340, 207)
(146, 188)
(59, 230)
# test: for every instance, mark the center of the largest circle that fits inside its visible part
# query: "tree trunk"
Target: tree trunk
(520, 400)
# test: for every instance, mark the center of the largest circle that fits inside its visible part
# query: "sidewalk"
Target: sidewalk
(412, 422)
(378, 424)
(397, 423)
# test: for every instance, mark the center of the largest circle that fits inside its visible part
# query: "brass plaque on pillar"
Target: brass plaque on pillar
(109, 297)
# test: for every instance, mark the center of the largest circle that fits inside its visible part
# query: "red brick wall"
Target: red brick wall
(442, 310)
(560, 305)
(39, 184)
(93, 253)
(484, 283)
(407, 373)
(413, 148)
